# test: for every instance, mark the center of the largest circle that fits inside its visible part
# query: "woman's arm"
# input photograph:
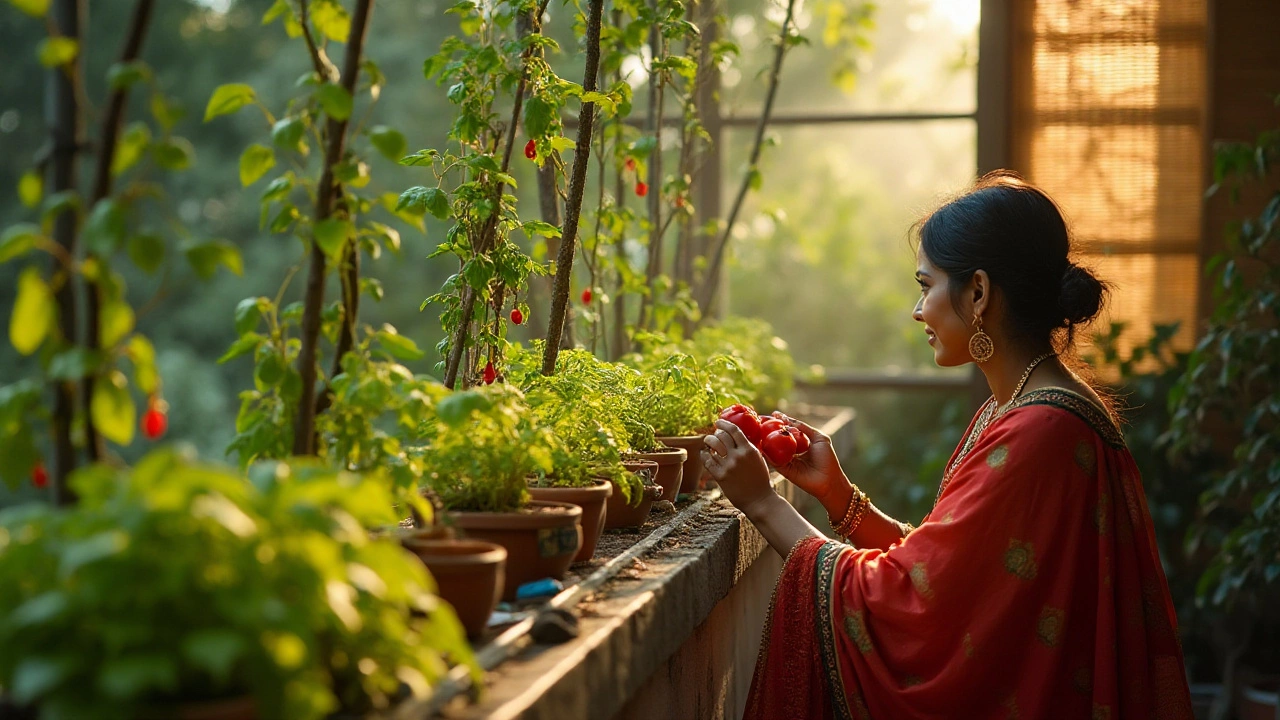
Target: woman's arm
(877, 530)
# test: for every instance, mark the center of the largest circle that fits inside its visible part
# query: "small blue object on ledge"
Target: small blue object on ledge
(546, 587)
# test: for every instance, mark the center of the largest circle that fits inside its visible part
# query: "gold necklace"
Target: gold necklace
(990, 412)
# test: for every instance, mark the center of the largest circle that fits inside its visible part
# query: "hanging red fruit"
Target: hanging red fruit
(39, 475)
(517, 317)
(531, 150)
(641, 189)
(679, 201)
(490, 374)
(586, 296)
(155, 421)
(630, 164)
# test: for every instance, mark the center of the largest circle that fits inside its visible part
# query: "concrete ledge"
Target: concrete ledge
(673, 635)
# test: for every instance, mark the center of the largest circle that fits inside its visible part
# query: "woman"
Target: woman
(1033, 589)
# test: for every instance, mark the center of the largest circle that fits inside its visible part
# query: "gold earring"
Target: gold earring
(980, 346)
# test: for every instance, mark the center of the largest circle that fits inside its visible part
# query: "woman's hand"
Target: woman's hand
(816, 472)
(737, 466)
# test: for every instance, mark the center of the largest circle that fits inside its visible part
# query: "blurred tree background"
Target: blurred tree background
(821, 250)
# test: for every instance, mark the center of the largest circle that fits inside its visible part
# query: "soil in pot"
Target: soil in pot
(670, 469)
(691, 444)
(591, 500)
(619, 513)
(541, 539)
(468, 576)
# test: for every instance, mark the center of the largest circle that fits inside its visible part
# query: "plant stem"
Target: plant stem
(577, 182)
(654, 122)
(335, 135)
(67, 135)
(712, 282)
(107, 140)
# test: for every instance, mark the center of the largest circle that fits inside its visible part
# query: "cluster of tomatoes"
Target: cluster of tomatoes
(777, 441)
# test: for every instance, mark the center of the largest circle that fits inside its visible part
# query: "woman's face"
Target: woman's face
(948, 332)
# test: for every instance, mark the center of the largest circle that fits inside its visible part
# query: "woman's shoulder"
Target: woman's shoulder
(1054, 409)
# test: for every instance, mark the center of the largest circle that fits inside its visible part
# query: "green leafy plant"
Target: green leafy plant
(93, 368)
(1226, 387)
(682, 395)
(178, 582)
(481, 447)
(589, 406)
(765, 370)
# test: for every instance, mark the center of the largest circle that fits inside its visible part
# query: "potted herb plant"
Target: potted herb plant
(480, 448)
(176, 588)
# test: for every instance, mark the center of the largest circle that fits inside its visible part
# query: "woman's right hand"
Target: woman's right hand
(818, 471)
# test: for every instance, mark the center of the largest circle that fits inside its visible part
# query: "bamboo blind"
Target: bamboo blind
(1107, 115)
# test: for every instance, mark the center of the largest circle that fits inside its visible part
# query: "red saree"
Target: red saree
(1033, 590)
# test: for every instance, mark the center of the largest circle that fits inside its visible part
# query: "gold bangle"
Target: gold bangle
(864, 505)
(853, 503)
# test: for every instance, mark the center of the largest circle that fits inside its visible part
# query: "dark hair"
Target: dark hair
(1017, 234)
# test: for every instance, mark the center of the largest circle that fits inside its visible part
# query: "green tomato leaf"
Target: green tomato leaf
(145, 374)
(117, 322)
(331, 19)
(146, 251)
(176, 153)
(58, 51)
(389, 141)
(246, 344)
(537, 227)
(454, 409)
(255, 161)
(288, 132)
(332, 234)
(538, 114)
(33, 312)
(400, 347)
(122, 76)
(133, 142)
(227, 99)
(432, 200)
(34, 8)
(39, 609)
(74, 364)
(248, 313)
(112, 410)
(206, 257)
(133, 675)
(18, 240)
(278, 188)
(104, 230)
(30, 188)
(334, 100)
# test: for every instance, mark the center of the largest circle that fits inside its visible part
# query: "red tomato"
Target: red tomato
(631, 164)
(770, 425)
(517, 317)
(154, 424)
(531, 150)
(490, 374)
(802, 440)
(586, 296)
(642, 189)
(39, 476)
(746, 420)
(779, 447)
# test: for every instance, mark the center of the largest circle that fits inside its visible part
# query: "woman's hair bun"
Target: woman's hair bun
(1081, 296)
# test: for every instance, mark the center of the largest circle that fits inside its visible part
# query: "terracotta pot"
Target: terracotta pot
(670, 469)
(619, 514)
(591, 500)
(237, 708)
(468, 576)
(541, 539)
(693, 463)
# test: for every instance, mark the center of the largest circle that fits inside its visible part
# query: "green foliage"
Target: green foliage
(271, 587)
(482, 447)
(1227, 385)
(683, 391)
(767, 369)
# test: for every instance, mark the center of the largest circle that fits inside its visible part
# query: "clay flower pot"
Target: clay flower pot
(691, 444)
(468, 576)
(619, 514)
(541, 539)
(591, 500)
(670, 469)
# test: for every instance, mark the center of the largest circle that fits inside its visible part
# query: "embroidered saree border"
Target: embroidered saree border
(825, 568)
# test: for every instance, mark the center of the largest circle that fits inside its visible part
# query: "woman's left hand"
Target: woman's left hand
(736, 465)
